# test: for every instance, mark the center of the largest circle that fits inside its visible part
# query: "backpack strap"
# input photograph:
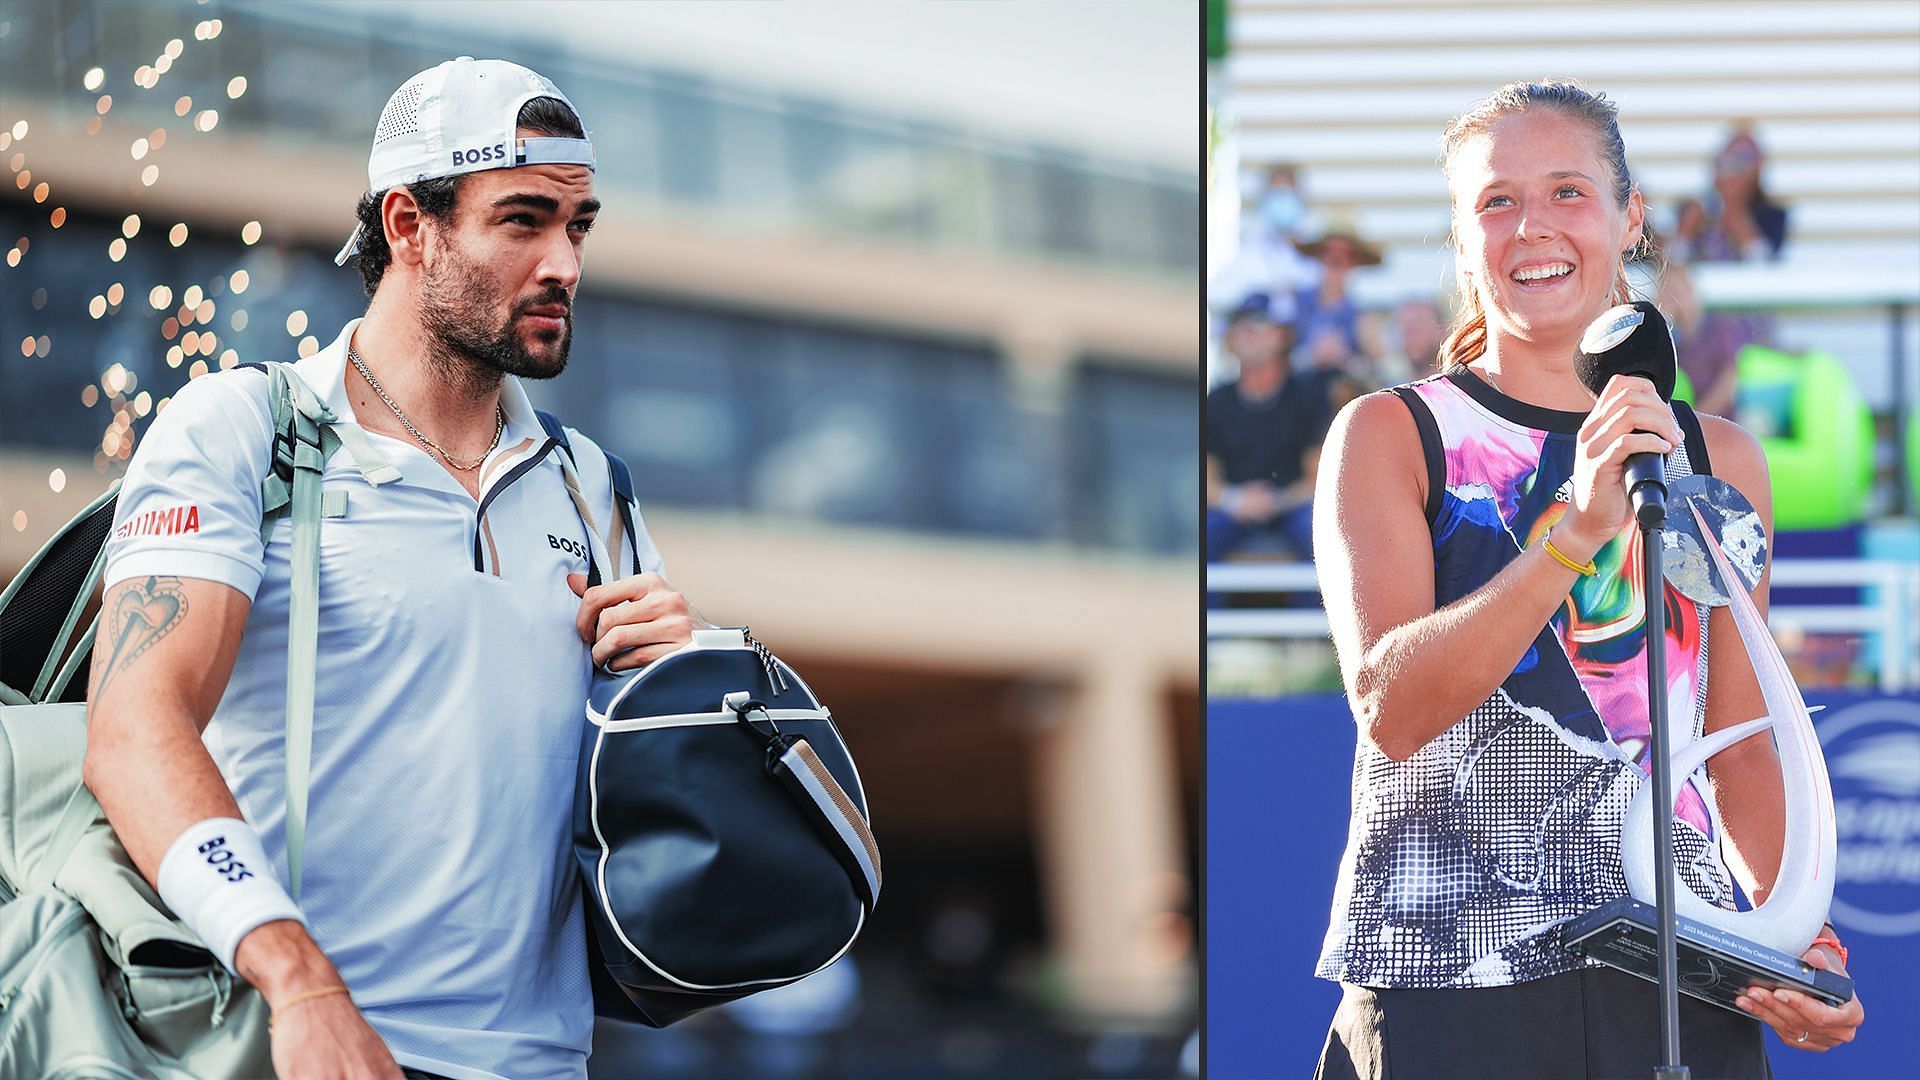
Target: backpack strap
(306, 433)
(53, 678)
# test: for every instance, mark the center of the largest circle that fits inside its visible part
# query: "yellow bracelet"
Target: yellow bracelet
(1587, 569)
(298, 998)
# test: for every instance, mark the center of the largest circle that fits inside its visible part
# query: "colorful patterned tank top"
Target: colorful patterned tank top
(1463, 859)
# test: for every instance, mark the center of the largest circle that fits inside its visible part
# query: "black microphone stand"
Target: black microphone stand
(1652, 517)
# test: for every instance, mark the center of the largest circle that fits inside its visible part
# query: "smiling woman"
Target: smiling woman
(1481, 580)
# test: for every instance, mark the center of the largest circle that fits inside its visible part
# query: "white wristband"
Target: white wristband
(216, 877)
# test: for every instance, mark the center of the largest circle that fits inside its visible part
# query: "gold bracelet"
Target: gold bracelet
(1586, 569)
(298, 998)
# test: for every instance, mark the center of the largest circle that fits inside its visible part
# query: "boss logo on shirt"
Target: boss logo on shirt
(222, 860)
(571, 547)
(475, 155)
(171, 521)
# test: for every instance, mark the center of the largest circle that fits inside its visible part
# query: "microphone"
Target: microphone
(1633, 339)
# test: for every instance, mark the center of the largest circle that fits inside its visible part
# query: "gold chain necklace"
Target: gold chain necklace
(499, 420)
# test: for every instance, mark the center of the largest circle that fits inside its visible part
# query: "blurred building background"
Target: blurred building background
(1326, 119)
(906, 383)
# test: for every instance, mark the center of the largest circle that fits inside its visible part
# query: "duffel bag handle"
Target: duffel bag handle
(792, 762)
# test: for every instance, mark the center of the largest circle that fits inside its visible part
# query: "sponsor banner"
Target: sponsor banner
(1277, 806)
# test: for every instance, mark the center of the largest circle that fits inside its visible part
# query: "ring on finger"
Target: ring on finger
(1803, 1036)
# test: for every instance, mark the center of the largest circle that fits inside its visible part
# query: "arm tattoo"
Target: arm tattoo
(140, 616)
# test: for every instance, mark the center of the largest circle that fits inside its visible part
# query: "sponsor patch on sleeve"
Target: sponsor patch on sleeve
(167, 521)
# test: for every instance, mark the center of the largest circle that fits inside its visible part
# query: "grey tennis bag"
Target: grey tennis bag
(720, 827)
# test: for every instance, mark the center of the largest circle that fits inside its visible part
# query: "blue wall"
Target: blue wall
(1277, 787)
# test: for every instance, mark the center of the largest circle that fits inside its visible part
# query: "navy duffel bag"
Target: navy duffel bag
(720, 827)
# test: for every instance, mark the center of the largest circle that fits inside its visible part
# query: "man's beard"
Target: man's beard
(458, 302)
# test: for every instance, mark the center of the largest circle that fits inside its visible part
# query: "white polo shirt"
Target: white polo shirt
(439, 867)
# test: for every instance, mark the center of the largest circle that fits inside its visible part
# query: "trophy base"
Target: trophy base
(1714, 966)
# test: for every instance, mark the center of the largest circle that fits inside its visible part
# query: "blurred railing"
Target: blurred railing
(1888, 610)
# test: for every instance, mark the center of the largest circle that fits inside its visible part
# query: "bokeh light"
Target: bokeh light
(160, 297)
(150, 174)
(249, 235)
(296, 324)
(206, 120)
(93, 78)
(240, 281)
(130, 226)
(117, 250)
(308, 346)
(57, 480)
(183, 106)
(178, 234)
(236, 86)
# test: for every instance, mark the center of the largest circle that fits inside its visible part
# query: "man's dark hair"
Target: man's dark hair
(437, 198)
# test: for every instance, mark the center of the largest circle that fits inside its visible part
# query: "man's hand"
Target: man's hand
(634, 621)
(321, 1036)
(1802, 1022)
(326, 1038)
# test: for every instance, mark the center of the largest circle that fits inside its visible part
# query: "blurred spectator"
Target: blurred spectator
(1706, 345)
(1329, 321)
(1263, 435)
(1412, 350)
(1737, 222)
(1269, 259)
(1331, 342)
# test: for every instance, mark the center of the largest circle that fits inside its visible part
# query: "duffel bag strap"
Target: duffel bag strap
(820, 797)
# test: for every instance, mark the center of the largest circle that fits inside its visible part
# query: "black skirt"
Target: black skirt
(1591, 1024)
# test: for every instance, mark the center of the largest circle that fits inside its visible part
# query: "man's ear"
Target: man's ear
(405, 225)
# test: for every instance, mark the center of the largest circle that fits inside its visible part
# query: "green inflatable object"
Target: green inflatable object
(1682, 386)
(1913, 457)
(1815, 430)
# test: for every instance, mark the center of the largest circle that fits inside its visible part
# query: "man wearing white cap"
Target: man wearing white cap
(439, 926)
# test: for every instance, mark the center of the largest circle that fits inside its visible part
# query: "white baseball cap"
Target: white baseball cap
(462, 116)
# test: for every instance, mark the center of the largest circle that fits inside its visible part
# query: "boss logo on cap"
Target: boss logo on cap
(476, 155)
